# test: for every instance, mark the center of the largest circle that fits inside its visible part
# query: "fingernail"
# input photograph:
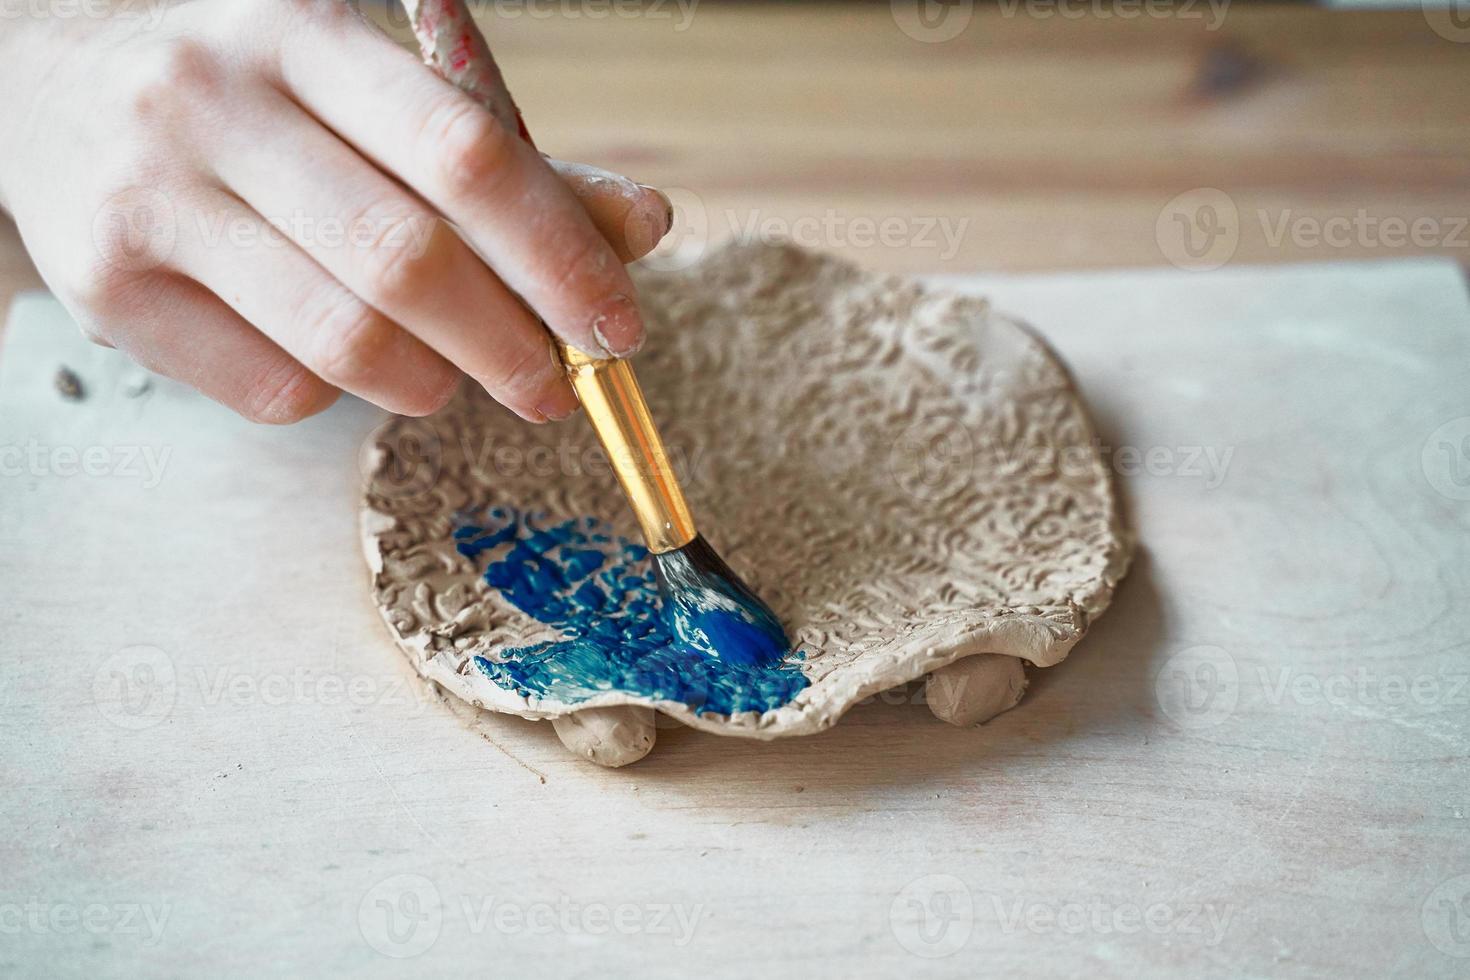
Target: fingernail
(559, 404)
(619, 328)
(668, 207)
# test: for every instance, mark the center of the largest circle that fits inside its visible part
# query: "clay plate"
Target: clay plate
(906, 476)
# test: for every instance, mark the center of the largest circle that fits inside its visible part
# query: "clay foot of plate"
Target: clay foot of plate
(610, 737)
(976, 689)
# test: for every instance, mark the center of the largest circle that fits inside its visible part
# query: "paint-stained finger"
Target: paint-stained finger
(513, 209)
(395, 254)
(632, 217)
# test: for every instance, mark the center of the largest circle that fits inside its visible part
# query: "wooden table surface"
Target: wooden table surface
(1038, 142)
(1254, 765)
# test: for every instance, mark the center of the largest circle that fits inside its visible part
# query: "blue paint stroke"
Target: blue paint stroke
(601, 592)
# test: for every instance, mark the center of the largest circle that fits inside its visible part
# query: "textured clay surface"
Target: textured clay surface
(904, 475)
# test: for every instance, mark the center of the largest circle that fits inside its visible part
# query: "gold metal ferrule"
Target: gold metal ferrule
(615, 406)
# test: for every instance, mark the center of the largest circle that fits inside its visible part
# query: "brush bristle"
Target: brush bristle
(709, 608)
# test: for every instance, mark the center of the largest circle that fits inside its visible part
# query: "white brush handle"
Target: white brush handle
(451, 44)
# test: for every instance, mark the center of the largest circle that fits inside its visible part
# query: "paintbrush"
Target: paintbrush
(706, 604)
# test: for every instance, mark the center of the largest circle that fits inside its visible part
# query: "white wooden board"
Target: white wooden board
(212, 759)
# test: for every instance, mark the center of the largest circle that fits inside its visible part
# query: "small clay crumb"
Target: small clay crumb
(137, 385)
(69, 385)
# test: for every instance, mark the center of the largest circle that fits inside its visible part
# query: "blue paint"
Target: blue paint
(601, 592)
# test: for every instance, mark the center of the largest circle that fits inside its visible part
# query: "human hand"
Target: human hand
(260, 199)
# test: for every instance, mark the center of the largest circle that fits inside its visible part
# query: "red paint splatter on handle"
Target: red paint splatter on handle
(459, 55)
